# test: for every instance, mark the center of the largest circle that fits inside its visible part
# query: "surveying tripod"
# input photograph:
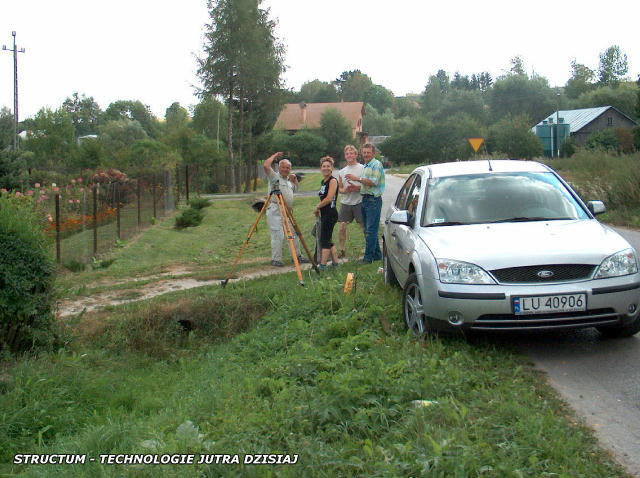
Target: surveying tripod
(287, 221)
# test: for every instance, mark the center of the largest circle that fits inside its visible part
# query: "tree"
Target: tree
(52, 139)
(432, 96)
(460, 82)
(379, 97)
(336, 130)
(623, 97)
(317, 91)
(482, 81)
(134, 110)
(176, 117)
(378, 124)
(352, 85)
(12, 169)
(459, 101)
(604, 140)
(517, 66)
(6, 128)
(613, 66)
(307, 147)
(210, 118)
(581, 80)
(117, 136)
(513, 136)
(86, 114)
(521, 95)
(243, 61)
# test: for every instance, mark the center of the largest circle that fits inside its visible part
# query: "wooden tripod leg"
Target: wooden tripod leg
(246, 242)
(286, 226)
(304, 244)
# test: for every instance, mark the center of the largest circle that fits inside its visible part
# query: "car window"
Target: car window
(401, 200)
(412, 199)
(499, 197)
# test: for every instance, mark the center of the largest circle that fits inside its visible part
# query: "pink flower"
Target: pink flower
(30, 193)
(37, 185)
(3, 190)
(73, 181)
(79, 180)
(18, 194)
(55, 188)
(70, 201)
(77, 201)
(49, 217)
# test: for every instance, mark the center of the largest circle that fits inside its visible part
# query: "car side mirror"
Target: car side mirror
(401, 217)
(596, 207)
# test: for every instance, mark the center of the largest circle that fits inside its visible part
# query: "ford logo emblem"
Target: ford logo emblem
(545, 274)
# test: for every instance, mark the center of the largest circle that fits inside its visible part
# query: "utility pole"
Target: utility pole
(15, 88)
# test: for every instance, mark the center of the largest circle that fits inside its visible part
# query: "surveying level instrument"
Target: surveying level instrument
(288, 221)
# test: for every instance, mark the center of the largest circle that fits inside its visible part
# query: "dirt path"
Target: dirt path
(70, 307)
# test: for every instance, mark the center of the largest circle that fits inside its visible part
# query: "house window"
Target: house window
(609, 121)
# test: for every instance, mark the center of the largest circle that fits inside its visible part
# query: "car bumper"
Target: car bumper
(490, 307)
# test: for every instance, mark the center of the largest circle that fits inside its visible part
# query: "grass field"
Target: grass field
(272, 367)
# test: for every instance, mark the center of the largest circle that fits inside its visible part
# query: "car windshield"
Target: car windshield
(498, 197)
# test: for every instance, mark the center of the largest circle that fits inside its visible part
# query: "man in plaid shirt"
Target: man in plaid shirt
(372, 181)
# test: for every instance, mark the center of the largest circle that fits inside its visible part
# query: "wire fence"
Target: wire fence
(86, 221)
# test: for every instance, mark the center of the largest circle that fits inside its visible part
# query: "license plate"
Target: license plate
(545, 304)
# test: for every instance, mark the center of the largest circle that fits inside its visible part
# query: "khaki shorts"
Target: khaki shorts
(349, 212)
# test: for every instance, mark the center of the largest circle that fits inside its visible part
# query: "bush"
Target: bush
(199, 203)
(189, 218)
(26, 278)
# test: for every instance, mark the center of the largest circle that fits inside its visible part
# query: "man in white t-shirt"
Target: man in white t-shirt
(350, 197)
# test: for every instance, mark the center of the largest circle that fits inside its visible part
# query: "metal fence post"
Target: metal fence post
(186, 180)
(95, 219)
(116, 195)
(58, 258)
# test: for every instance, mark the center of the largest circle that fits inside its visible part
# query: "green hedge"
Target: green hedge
(26, 278)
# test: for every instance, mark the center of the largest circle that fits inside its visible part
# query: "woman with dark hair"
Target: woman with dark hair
(327, 211)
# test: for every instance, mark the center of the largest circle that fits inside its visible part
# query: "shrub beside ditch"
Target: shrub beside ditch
(26, 278)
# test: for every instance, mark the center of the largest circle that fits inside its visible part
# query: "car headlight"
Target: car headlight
(620, 264)
(456, 272)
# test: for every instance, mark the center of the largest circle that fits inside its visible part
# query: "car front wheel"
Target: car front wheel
(413, 306)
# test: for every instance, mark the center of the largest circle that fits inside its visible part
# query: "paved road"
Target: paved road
(599, 378)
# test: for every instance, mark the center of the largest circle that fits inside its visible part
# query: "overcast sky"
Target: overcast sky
(146, 49)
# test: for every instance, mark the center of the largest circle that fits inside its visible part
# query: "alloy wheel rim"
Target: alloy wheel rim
(414, 310)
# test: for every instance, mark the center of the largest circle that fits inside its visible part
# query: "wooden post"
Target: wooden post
(58, 259)
(186, 179)
(197, 179)
(95, 219)
(138, 200)
(153, 188)
(116, 195)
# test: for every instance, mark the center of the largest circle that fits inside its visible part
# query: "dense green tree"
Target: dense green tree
(613, 66)
(460, 101)
(52, 140)
(581, 80)
(336, 130)
(352, 85)
(638, 95)
(91, 154)
(118, 135)
(406, 106)
(210, 118)
(317, 91)
(86, 114)
(623, 97)
(513, 136)
(379, 97)
(134, 110)
(378, 124)
(518, 94)
(433, 96)
(604, 140)
(149, 155)
(243, 63)
(306, 147)
(517, 66)
(6, 128)
(482, 81)
(176, 117)
(461, 82)
(12, 169)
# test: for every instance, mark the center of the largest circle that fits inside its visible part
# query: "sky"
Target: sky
(146, 49)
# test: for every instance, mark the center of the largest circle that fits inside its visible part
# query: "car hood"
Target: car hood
(496, 246)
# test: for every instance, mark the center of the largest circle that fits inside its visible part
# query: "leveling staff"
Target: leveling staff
(288, 184)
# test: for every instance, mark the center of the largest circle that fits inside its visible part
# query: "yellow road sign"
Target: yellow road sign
(476, 143)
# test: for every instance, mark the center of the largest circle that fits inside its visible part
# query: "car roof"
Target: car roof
(480, 166)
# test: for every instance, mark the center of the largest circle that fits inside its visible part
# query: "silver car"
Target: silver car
(506, 245)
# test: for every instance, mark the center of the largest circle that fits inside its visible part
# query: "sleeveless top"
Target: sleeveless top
(324, 192)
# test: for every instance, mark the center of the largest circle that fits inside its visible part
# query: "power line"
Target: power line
(15, 87)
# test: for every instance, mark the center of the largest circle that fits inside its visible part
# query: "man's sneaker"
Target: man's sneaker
(335, 264)
(322, 267)
(341, 254)
(277, 264)
(303, 260)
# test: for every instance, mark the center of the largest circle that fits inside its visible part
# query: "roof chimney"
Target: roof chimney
(303, 111)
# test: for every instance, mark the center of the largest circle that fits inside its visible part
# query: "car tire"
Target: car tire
(621, 331)
(413, 307)
(389, 275)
